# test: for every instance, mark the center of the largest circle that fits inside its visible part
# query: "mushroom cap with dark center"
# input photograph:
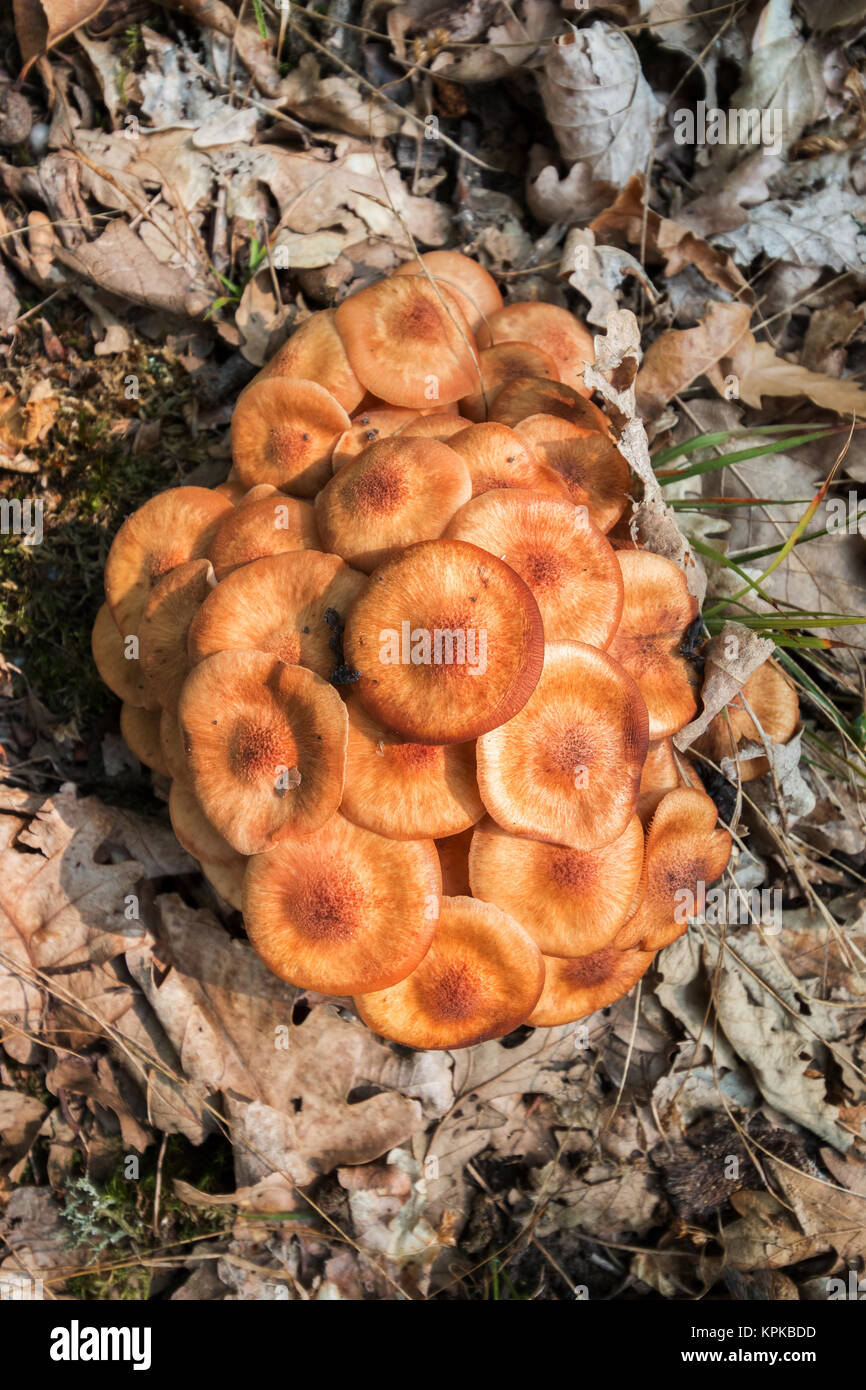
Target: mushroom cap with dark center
(577, 987)
(476, 290)
(500, 364)
(169, 529)
(565, 559)
(267, 747)
(555, 331)
(408, 342)
(571, 902)
(283, 432)
(588, 462)
(657, 611)
(280, 604)
(396, 492)
(448, 641)
(480, 979)
(567, 767)
(343, 910)
(407, 791)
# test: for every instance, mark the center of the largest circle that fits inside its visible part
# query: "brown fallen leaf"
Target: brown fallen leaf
(120, 262)
(35, 1242)
(666, 241)
(731, 657)
(827, 1213)
(680, 355)
(40, 24)
(759, 372)
(765, 1236)
(26, 418)
(287, 1086)
(62, 905)
(21, 1116)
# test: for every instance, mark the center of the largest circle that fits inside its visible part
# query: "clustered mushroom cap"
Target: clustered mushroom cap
(402, 669)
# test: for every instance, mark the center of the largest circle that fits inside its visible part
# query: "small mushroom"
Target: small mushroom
(772, 697)
(278, 604)
(663, 771)
(559, 553)
(441, 426)
(315, 352)
(267, 747)
(396, 492)
(447, 640)
(657, 611)
(685, 853)
(367, 429)
(572, 902)
(567, 767)
(476, 289)
(589, 463)
(497, 457)
(174, 601)
(196, 833)
(408, 343)
(480, 979)
(173, 527)
(343, 910)
(283, 432)
(555, 331)
(407, 791)
(530, 395)
(121, 673)
(575, 988)
(265, 522)
(140, 730)
(503, 363)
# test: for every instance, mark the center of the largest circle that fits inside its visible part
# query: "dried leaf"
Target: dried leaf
(40, 24)
(731, 657)
(824, 229)
(680, 355)
(759, 372)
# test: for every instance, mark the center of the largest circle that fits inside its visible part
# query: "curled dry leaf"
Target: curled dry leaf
(604, 115)
(40, 24)
(680, 355)
(759, 372)
(731, 657)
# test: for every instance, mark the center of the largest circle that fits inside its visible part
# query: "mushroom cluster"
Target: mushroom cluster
(415, 706)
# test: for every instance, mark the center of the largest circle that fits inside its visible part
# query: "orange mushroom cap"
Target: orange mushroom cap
(173, 603)
(279, 604)
(498, 458)
(171, 528)
(283, 432)
(440, 426)
(772, 696)
(174, 753)
(567, 767)
(553, 546)
(408, 342)
(447, 640)
(589, 463)
(265, 522)
(663, 771)
(195, 832)
(530, 395)
(575, 988)
(480, 979)
(572, 902)
(476, 289)
(122, 673)
(140, 730)
(267, 747)
(396, 492)
(657, 611)
(407, 791)
(367, 429)
(315, 352)
(500, 364)
(343, 910)
(555, 331)
(685, 853)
